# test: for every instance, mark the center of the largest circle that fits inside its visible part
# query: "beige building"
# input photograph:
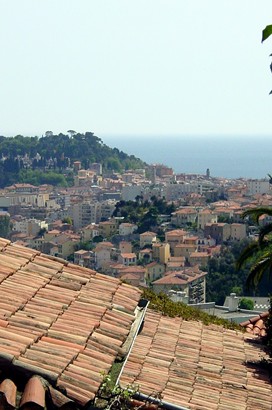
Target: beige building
(84, 177)
(127, 229)
(238, 231)
(127, 259)
(205, 216)
(147, 238)
(84, 258)
(175, 263)
(175, 237)
(184, 250)
(257, 186)
(199, 258)
(32, 199)
(125, 247)
(191, 240)
(161, 252)
(132, 274)
(146, 255)
(108, 228)
(191, 280)
(89, 232)
(184, 216)
(222, 232)
(30, 227)
(154, 270)
(64, 247)
(219, 231)
(85, 213)
(103, 253)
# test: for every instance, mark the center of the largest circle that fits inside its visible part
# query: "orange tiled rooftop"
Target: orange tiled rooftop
(198, 367)
(68, 324)
(61, 321)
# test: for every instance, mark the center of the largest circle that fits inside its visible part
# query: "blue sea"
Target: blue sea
(230, 157)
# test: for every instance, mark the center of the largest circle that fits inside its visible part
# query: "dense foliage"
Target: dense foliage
(30, 159)
(4, 225)
(246, 303)
(145, 214)
(258, 253)
(224, 277)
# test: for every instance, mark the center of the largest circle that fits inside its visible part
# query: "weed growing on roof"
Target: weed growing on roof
(161, 303)
(112, 396)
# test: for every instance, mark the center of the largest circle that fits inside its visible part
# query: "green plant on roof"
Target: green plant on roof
(163, 304)
(112, 396)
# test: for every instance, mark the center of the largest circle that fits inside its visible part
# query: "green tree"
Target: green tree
(4, 224)
(246, 303)
(223, 278)
(98, 239)
(67, 220)
(258, 253)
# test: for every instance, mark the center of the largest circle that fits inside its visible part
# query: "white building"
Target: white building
(258, 186)
(127, 228)
(30, 227)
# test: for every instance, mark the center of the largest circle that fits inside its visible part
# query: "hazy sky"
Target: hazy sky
(135, 67)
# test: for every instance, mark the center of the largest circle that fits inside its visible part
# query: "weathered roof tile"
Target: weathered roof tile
(204, 368)
(64, 318)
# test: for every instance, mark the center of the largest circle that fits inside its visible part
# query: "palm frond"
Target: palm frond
(256, 213)
(261, 267)
(248, 253)
(264, 231)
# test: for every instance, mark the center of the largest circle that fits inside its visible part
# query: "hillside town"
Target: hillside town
(169, 254)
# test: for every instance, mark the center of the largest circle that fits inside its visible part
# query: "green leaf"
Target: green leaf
(256, 213)
(267, 32)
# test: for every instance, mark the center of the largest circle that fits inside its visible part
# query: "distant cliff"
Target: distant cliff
(47, 159)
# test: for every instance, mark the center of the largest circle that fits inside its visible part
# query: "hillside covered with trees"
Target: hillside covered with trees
(48, 159)
(224, 277)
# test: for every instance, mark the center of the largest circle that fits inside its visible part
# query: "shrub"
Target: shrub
(247, 304)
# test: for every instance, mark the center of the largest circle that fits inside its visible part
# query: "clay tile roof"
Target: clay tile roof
(128, 255)
(199, 254)
(181, 277)
(148, 233)
(256, 325)
(151, 264)
(197, 366)
(34, 392)
(61, 321)
(148, 250)
(186, 211)
(176, 232)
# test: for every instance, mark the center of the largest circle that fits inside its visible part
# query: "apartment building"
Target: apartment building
(175, 237)
(184, 216)
(205, 216)
(161, 252)
(190, 280)
(257, 186)
(222, 232)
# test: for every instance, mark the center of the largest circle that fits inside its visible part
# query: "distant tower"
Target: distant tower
(153, 175)
(208, 173)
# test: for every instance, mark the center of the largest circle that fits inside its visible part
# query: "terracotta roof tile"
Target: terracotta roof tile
(256, 325)
(196, 366)
(66, 323)
(9, 390)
